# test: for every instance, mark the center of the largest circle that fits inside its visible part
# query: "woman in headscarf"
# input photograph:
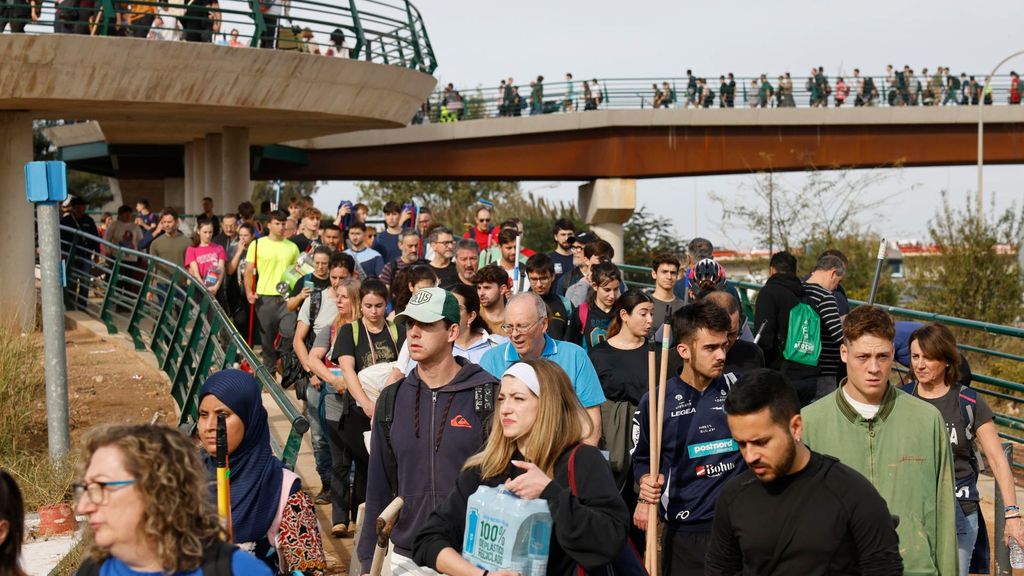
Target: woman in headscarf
(271, 516)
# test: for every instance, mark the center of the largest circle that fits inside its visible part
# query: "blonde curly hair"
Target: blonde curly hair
(180, 518)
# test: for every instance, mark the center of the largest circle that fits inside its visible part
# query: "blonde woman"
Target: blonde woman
(536, 434)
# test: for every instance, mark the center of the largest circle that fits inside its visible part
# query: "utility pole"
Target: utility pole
(46, 187)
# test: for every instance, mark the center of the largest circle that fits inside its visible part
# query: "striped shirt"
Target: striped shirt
(824, 303)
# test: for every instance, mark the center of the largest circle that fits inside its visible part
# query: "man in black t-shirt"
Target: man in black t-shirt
(540, 271)
(561, 256)
(442, 243)
(793, 511)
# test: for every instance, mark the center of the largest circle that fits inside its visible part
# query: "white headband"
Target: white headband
(527, 374)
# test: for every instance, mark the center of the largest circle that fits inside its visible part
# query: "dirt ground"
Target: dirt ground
(109, 382)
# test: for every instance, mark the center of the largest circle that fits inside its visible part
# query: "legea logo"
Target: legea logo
(710, 448)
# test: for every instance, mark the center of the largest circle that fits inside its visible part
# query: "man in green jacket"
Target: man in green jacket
(895, 440)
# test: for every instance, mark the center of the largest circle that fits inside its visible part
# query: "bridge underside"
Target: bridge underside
(659, 151)
(608, 144)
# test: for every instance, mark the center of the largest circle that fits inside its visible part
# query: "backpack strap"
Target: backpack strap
(584, 312)
(385, 418)
(288, 479)
(968, 401)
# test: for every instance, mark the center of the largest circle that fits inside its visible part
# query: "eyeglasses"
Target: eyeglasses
(483, 219)
(98, 492)
(511, 329)
(444, 242)
(575, 248)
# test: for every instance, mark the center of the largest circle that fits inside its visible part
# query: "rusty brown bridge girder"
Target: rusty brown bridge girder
(661, 151)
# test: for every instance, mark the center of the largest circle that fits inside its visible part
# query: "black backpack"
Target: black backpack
(292, 371)
(483, 405)
(216, 561)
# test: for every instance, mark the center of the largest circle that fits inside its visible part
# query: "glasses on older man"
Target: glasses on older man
(511, 329)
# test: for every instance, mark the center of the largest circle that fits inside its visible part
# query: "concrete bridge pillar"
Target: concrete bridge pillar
(174, 193)
(212, 185)
(195, 175)
(18, 298)
(606, 204)
(235, 185)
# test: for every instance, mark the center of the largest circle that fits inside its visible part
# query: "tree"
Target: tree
(266, 191)
(976, 274)
(825, 206)
(647, 235)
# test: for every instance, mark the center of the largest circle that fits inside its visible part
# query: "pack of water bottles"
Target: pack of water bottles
(507, 532)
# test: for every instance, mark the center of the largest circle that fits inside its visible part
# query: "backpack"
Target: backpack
(803, 340)
(216, 561)
(292, 371)
(483, 405)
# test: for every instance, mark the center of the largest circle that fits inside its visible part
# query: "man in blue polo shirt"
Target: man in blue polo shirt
(698, 453)
(526, 324)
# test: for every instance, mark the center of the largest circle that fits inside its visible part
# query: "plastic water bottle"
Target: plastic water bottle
(212, 275)
(506, 532)
(1016, 554)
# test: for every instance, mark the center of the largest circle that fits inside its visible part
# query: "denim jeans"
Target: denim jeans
(965, 542)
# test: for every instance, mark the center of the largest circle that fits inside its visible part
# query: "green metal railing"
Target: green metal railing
(384, 31)
(640, 93)
(167, 311)
(1010, 425)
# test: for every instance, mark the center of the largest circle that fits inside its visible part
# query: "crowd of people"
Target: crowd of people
(897, 87)
(477, 361)
(192, 21)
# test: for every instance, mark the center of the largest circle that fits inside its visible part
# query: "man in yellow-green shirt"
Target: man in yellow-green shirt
(266, 262)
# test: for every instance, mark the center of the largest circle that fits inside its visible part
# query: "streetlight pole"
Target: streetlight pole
(981, 135)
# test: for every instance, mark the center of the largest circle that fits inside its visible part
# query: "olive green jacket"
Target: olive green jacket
(904, 452)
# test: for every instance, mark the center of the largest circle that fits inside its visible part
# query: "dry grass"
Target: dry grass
(23, 426)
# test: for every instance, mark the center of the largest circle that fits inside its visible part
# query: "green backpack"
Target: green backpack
(803, 340)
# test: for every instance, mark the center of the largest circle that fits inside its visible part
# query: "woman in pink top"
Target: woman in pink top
(204, 259)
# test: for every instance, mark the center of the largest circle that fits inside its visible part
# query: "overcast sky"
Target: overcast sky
(479, 42)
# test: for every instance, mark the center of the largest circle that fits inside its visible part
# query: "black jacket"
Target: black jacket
(589, 530)
(430, 448)
(780, 294)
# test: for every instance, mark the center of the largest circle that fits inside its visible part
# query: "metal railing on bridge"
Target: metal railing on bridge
(168, 311)
(1000, 392)
(668, 92)
(383, 31)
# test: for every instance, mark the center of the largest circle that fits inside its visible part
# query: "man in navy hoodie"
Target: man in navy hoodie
(440, 418)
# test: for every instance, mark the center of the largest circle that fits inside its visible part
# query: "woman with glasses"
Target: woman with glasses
(535, 449)
(271, 516)
(145, 494)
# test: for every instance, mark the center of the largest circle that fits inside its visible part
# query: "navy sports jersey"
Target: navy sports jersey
(698, 454)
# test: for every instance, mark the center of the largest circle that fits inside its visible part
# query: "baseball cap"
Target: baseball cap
(430, 305)
(584, 238)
